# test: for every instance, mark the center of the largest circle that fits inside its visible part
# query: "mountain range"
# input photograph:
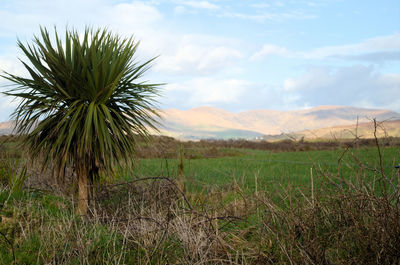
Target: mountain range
(318, 122)
(210, 122)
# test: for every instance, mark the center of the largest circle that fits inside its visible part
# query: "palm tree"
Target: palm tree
(83, 104)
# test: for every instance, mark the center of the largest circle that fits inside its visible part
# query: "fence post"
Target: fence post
(181, 169)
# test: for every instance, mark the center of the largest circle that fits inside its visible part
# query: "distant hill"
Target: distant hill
(319, 122)
(209, 122)
(362, 130)
(6, 127)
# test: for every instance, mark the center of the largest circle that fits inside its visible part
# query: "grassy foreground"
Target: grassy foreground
(237, 206)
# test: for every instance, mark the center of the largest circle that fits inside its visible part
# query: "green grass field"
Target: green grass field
(269, 169)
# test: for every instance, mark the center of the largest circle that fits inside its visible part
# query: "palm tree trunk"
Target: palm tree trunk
(82, 192)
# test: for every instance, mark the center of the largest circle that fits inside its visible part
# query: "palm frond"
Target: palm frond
(83, 103)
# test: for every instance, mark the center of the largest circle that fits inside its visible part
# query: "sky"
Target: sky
(236, 55)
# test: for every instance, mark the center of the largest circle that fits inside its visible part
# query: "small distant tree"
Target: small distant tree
(83, 104)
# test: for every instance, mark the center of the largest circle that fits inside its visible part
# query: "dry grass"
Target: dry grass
(347, 222)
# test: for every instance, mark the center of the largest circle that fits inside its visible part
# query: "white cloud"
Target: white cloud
(374, 49)
(200, 4)
(353, 86)
(179, 10)
(133, 14)
(274, 16)
(180, 54)
(206, 91)
(270, 49)
(383, 43)
(261, 5)
(144, 22)
(199, 55)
